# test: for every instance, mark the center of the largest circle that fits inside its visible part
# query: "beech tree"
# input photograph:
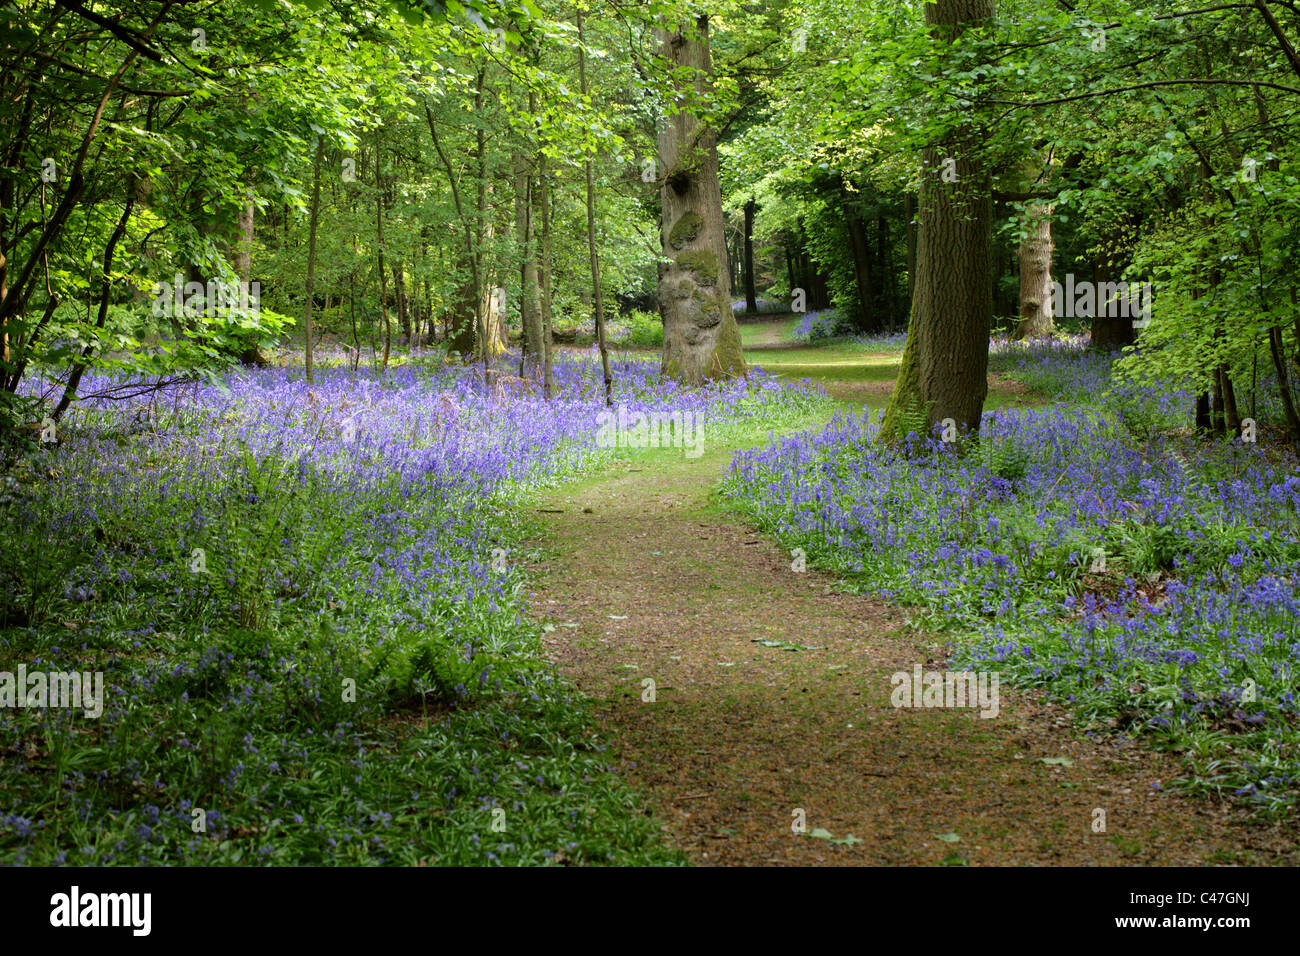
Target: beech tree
(701, 338)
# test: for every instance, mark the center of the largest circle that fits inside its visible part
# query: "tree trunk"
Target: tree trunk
(464, 319)
(945, 362)
(311, 250)
(242, 260)
(383, 277)
(529, 306)
(1276, 351)
(547, 340)
(884, 255)
(105, 291)
(598, 308)
(1036, 274)
(403, 306)
(1110, 333)
(789, 261)
(868, 319)
(701, 338)
(751, 297)
(909, 214)
(488, 316)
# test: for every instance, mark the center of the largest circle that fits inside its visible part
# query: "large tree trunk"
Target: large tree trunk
(701, 338)
(492, 307)
(1036, 274)
(945, 362)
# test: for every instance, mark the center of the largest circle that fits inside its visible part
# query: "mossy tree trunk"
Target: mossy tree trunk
(701, 338)
(945, 362)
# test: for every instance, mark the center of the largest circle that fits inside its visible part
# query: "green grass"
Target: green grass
(843, 362)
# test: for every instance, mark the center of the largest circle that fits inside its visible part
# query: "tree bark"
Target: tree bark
(547, 337)
(909, 214)
(598, 308)
(529, 304)
(403, 305)
(945, 362)
(701, 338)
(868, 317)
(1036, 319)
(751, 297)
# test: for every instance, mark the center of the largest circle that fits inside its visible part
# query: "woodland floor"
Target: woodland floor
(644, 574)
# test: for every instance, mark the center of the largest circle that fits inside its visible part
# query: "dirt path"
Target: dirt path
(644, 577)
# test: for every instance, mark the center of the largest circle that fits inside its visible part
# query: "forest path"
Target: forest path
(644, 575)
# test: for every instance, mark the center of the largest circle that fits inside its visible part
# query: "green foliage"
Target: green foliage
(236, 698)
(1005, 457)
(645, 329)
